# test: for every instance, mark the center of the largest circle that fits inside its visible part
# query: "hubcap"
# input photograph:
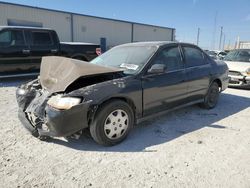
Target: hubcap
(116, 124)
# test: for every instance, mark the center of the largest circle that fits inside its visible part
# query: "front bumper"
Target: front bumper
(65, 122)
(26, 123)
(57, 123)
(41, 119)
(225, 83)
(239, 81)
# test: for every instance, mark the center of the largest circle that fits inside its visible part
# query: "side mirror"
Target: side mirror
(157, 68)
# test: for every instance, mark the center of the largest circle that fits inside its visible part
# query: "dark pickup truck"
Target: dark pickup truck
(21, 49)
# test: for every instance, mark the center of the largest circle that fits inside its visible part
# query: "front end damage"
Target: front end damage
(47, 107)
(41, 119)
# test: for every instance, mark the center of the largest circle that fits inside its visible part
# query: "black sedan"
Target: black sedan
(118, 89)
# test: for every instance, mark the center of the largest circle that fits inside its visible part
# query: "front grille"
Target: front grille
(234, 82)
(234, 73)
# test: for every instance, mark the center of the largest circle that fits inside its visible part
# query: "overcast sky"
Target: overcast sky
(184, 15)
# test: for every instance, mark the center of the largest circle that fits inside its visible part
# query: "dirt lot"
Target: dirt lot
(190, 147)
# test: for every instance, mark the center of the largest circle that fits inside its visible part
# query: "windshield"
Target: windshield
(129, 58)
(238, 55)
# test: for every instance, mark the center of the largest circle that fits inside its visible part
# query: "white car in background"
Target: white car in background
(215, 54)
(238, 62)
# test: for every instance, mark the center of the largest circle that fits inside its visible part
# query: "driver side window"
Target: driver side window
(11, 38)
(171, 58)
(5, 38)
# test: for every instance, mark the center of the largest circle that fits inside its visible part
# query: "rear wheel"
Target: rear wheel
(211, 97)
(112, 123)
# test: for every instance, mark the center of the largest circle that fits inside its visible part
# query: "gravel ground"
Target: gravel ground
(190, 147)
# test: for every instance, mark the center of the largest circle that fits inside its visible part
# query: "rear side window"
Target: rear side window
(193, 57)
(11, 38)
(41, 39)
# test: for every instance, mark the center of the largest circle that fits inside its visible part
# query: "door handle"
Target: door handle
(26, 51)
(54, 51)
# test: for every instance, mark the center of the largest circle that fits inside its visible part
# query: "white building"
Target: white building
(244, 45)
(83, 28)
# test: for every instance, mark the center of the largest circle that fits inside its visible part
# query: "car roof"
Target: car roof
(247, 49)
(154, 43)
(23, 27)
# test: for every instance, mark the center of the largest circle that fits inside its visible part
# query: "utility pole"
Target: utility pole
(198, 36)
(221, 32)
(229, 45)
(224, 40)
(238, 42)
(214, 32)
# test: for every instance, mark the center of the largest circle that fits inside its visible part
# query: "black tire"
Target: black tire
(97, 127)
(212, 96)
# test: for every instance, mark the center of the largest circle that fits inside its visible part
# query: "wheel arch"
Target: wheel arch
(92, 111)
(218, 81)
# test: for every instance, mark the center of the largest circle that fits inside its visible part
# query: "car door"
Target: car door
(14, 56)
(197, 70)
(41, 44)
(165, 90)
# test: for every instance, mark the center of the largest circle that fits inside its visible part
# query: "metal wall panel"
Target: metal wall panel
(55, 20)
(89, 29)
(84, 28)
(151, 33)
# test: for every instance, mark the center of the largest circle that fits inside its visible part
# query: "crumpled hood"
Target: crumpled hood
(237, 66)
(57, 73)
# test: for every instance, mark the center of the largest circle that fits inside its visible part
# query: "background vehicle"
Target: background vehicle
(212, 54)
(127, 84)
(21, 49)
(238, 62)
(217, 55)
(222, 54)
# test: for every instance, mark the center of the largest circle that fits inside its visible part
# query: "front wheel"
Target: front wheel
(112, 123)
(211, 97)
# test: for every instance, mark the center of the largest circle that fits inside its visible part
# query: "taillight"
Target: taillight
(98, 51)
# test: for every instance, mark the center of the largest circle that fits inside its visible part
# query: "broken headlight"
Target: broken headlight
(63, 103)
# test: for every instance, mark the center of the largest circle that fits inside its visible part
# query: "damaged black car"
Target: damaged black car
(118, 89)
